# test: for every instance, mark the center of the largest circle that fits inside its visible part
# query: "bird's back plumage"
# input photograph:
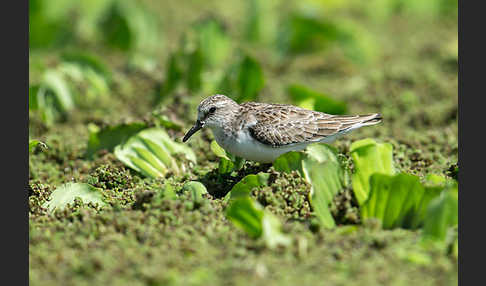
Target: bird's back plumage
(280, 124)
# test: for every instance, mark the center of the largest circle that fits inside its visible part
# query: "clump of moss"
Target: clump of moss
(345, 208)
(109, 176)
(286, 195)
(38, 194)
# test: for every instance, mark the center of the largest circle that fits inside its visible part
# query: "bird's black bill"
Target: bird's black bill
(193, 130)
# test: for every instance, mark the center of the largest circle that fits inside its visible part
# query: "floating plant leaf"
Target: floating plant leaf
(88, 60)
(250, 216)
(151, 153)
(213, 42)
(130, 26)
(111, 136)
(247, 215)
(243, 188)
(66, 194)
(398, 200)
(369, 157)
(313, 100)
(442, 213)
(242, 81)
(197, 189)
(227, 161)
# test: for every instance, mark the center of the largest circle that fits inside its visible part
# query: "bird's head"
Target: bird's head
(213, 112)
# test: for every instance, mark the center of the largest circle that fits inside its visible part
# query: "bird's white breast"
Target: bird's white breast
(245, 146)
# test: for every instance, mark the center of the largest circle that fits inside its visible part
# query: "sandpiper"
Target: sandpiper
(261, 132)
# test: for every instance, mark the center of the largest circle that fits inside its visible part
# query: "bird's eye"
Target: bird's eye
(212, 110)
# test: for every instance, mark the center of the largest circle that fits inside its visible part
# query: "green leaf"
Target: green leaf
(250, 216)
(313, 100)
(442, 213)
(326, 176)
(398, 200)
(320, 167)
(54, 81)
(174, 75)
(272, 231)
(262, 21)
(250, 79)
(197, 189)
(47, 23)
(303, 33)
(243, 188)
(194, 70)
(213, 43)
(289, 162)
(246, 214)
(88, 60)
(66, 194)
(151, 152)
(227, 162)
(33, 102)
(130, 26)
(242, 81)
(111, 136)
(369, 157)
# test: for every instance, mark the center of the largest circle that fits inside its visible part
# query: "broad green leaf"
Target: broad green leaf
(197, 189)
(398, 200)
(250, 216)
(227, 162)
(194, 70)
(174, 74)
(130, 26)
(325, 174)
(320, 167)
(303, 33)
(55, 82)
(313, 100)
(47, 23)
(433, 186)
(272, 231)
(291, 161)
(243, 188)
(442, 213)
(33, 102)
(88, 60)
(242, 81)
(111, 136)
(214, 44)
(250, 79)
(165, 122)
(151, 152)
(369, 157)
(247, 215)
(45, 104)
(66, 194)
(218, 150)
(262, 21)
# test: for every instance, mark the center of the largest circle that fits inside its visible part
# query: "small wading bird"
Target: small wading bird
(261, 132)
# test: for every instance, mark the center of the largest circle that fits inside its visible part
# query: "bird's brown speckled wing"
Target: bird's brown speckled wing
(278, 124)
